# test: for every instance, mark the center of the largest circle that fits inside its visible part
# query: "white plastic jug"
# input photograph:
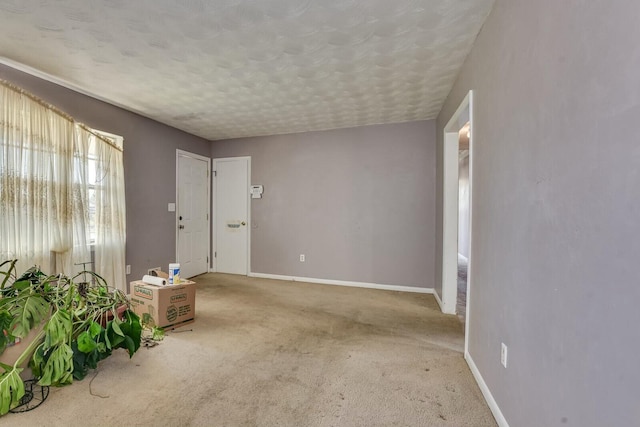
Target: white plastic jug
(174, 274)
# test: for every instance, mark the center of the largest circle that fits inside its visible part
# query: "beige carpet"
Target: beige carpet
(273, 353)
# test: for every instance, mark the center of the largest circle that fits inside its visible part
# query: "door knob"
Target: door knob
(181, 227)
(243, 223)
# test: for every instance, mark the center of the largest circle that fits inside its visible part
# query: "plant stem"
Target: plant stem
(30, 349)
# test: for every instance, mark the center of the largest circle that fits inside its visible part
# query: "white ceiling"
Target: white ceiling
(232, 68)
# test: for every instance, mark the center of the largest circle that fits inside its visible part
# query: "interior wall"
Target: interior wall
(149, 166)
(556, 197)
(358, 202)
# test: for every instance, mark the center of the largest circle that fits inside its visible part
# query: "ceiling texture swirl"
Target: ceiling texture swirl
(233, 68)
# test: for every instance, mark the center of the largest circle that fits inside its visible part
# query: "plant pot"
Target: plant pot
(109, 316)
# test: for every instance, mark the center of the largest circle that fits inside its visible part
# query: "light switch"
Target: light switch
(171, 207)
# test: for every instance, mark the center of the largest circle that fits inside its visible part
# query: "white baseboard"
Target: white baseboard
(438, 300)
(484, 388)
(344, 283)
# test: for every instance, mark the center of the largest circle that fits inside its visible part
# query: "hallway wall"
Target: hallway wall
(556, 182)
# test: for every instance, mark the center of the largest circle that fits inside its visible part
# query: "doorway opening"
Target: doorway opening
(463, 220)
(457, 223)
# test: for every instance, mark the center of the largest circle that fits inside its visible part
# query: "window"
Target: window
(95, 178)
(61, 190)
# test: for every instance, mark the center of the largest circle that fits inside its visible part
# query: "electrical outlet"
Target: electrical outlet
(301, 257)
(503, 355)
(128, 269)
(151, 270)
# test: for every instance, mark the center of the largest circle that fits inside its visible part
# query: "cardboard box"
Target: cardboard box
(170, 306)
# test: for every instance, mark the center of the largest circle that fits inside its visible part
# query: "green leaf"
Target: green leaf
(112, 338)
(11, 389)
(4, 340)
(85, 343)
(58, 370)
(129, 345)
(37, 361)
(5, 320)
(132, 330)
(79, 362)
(116, 328)
(158, 334)
(136, 329)
(147, 320)
(107, 341)
(116, 341)
(82, 362)
(58, 328)
(31, 312)
(93, 359)
(5, 327)
(94, 329)
(21, 285)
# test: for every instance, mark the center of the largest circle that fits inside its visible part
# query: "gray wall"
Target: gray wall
(149, 164)
(556, 208)
(358, 202)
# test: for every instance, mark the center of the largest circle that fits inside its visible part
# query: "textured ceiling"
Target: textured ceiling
(233, 68)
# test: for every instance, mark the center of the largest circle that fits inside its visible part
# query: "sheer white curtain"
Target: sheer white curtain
(110, 214)
(38, 204)
(61, 190)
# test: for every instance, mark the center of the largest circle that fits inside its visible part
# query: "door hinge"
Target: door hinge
(215, 254)
(215, 173)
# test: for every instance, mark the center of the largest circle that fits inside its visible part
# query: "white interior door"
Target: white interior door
(192, 214)
(232, 214)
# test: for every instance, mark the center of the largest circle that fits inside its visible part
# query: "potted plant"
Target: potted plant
(72, 326)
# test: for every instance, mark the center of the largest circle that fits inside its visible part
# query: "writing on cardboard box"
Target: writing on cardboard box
(142, 292)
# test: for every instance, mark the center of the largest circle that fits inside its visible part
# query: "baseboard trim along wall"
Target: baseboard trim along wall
(484, 388)
(344, 283)
(438, 300)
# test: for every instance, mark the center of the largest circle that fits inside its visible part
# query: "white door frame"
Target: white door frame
(450, 214)
(214, 264)
(208, 160)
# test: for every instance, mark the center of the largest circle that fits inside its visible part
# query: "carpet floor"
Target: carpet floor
(274, 353)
